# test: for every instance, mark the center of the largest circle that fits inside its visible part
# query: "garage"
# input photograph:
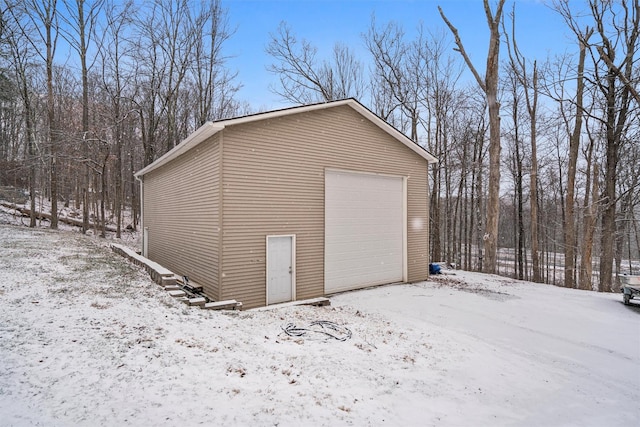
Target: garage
(365, 230)
(254, 199)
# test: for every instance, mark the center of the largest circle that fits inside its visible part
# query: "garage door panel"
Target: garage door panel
(364, 230)
(365, 237)
(346, 268)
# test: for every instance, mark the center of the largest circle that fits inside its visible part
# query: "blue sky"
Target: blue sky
(540, 31)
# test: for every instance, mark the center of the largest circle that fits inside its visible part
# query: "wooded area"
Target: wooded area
(538, 175)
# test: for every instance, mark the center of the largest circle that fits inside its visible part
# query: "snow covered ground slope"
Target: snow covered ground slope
(88, 340)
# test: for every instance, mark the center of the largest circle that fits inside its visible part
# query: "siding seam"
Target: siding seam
(221, 160)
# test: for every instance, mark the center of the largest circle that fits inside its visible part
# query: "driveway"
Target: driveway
(522, 353)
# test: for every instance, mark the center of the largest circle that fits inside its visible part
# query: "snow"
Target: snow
(87, 339)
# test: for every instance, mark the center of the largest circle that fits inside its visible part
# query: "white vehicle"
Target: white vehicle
(630, 287)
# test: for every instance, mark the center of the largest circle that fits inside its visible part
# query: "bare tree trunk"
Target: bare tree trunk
(490, 87)
(21, 61)
(609, 195)
(516, 170)
(48, 20)
(636, 233)
(103, 194)
(116, 24)
(436, 246)
(519, 66)
(41, 26)
(589, 222)
(479, 196)
(82, 50)
(81, 46)
(493, 203)
(32, 168)
(574, 143)
(623, 230)
(589, 210)
(118, 179)
(533, 179)
(520, 217)
(134, 195)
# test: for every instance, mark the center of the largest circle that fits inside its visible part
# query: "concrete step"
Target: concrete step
(197, 301)
(223, 305)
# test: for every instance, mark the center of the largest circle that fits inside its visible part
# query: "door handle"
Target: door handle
(290, 270)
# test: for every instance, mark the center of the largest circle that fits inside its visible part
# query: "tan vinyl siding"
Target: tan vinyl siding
(274, 184)
(182, 210)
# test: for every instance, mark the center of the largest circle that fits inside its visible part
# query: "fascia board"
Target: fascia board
(211, 128)
(393, 132)
(203, 133)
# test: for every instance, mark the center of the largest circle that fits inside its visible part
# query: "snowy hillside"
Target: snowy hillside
(87, 339)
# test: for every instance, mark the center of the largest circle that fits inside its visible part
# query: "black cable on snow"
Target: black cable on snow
(323, 327)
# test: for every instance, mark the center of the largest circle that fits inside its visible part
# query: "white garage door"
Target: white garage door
(364, 230)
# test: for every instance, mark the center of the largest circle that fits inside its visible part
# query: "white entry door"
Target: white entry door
(280, 269)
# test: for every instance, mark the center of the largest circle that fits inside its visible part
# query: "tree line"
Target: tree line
(135, 81)
(538, 157)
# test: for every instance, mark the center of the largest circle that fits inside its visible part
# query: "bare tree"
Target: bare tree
(38, 22)
(80, 29)
(398, 75)
(46, 13)
(590, 209)
(182, 49)
(618, 108)
(304, 79)
(574, 142)
(214, 86)
(515, 163)
(529, 82)
(162, 74)
(21, 59)
(560, 76)
(489, 86)
(440, 103)
(614, 82)
(165, 44)
(114, 83)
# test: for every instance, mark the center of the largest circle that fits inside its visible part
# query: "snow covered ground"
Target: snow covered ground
(87, 339)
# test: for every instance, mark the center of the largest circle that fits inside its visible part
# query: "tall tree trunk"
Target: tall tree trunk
(435, 227)
(51, 133)
(134, 194)
(103, 195)
(490, 87)
(589, 222)
(479, 197)
(519, 66)
(490, 237)
(118, 178)
(609, 194)
(21, 62)
(31, 153)
(32, 172)
(520, 220)
(518, 193)
(533, 177)
(574, 144)
(86, 171)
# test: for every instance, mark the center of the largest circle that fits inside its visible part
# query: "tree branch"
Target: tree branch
(463, 52)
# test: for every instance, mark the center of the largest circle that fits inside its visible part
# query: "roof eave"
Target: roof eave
(211, 128)
(201, 134)
(395, 133)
